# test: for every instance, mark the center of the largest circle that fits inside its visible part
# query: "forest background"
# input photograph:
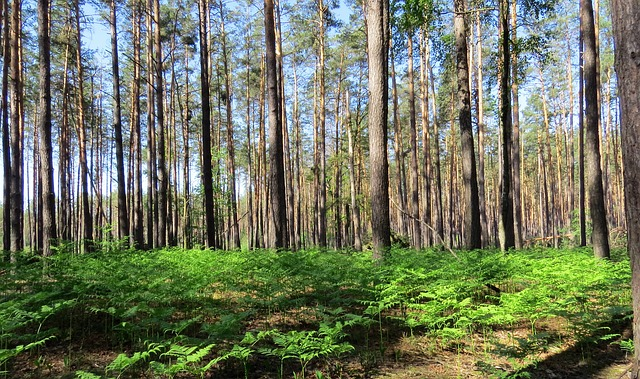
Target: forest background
(233, 126)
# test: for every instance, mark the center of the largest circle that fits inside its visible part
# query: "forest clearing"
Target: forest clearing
(534, 313)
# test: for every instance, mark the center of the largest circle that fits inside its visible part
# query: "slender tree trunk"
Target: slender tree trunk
(401, 182)
(582, 191)
(377, 26)
(506, 225)
(472, 234)
(187, 233)
(322, 190)
(426, 139)
(234, 241)
(250, 168)
(276, 159)
(137, 224)
(6, 153)
(600, 234)
(438, 170)
(297, 239)
(484, 225)
(15, 87)
(207, 175)
(152, 169)
(46, 166)
(87, 221)
(163, 176)
(515, 147)
(123, 217)
(413, 140)
(355, 208)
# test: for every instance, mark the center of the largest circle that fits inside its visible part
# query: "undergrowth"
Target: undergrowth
(301, 314)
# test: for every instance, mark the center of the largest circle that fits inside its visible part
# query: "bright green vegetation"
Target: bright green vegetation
(231, 314)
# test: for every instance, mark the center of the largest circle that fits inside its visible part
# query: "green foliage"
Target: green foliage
(197, 311)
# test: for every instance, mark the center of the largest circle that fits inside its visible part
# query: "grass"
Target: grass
(323, 314)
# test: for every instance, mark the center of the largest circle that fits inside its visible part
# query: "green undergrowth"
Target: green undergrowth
(177, 313)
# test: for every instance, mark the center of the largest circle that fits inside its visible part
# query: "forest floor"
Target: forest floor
(494, 355)
(547, 314)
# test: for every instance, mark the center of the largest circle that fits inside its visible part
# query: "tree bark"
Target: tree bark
(506, 224)
(15, 87)
(163, 176)
(426, 139)
(413, 142)
(515, 148)
(600, 233)
(234, 240)
(276, 159)
(377, 24)
(472, 232)
(626, 18)
(123, 217)
(6, 153)
(87, 221)
(46, 168)
(355, 208)
(484, 225)
(207, 175)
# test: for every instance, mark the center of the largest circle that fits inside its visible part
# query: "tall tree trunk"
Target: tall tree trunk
(401, 182)
(163, 176)
(484, 225)
(515, 147)
(322, 190)
(46, 167)
(296, 241)
(152, 169)
(438, 170)
(377, 20)
(187, 233)
(123, 217)
(276, 159)
(86, 220)
(426, 139)
(413, 140)
(15, 87)
(355, 208)
(626, 18)
(250, 167)
(571, 146)
(207, 174)
(137, 224)
(6, 153)
(234, 242)
(472, 232)
(506, 226)
(581, 190)
(600, 234)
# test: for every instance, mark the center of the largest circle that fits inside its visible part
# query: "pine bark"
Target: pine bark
(506, 223)
(207, 175)
(15, 88)
(123, 217)
(600, 233)
(626, 18)
(47, 214)
(413, 142)
(515, 148)
(472, 232)
(276, 159)
(86, 219)
(6, 153)
(377, 20)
